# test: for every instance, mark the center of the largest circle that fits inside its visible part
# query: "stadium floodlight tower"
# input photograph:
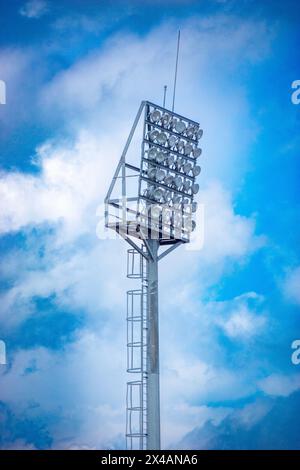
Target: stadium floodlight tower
(154, 216)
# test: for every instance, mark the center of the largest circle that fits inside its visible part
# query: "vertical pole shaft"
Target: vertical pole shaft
(153, 402)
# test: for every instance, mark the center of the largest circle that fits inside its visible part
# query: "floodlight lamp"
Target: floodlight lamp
(173, 123)
(169, 180)
(160, 156)
(157, 194)
(187, 168)
(196, 170)
(152, 153)
(178, 181)
(148, 193)
(172, 141)
(195, 188)
(170, 160)
(180, 127)
(160, 175)
(188, 149)
(180, 145)
(190, 131)
(161, 138)
(186, 185)
(153, 135)
(151, 172)
(197, 152)
(165, 120)
(155, 116)
(176, 200)
(178, 163)
(167, 196)
(194, 206)
(199, 134)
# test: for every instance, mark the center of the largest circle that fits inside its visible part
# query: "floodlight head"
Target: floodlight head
(186, 185)
(153, 135)
(197, 152)
(180, 145)
(187, 167)
(169, 179)
(168, 171)
(152, 153)
(190, 131)
(172, 141)
(155, 115)
(170, 160)
(158, 194)
(188, 149)
(180, 127)
(161, 138)
(160, 157)
(196, 170)
(195, 188)
(160, 175)
(199, 134)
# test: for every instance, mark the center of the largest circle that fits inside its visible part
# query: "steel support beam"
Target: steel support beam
(153, 395)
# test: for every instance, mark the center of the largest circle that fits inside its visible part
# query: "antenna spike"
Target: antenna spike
(165, 94)
(176, 67)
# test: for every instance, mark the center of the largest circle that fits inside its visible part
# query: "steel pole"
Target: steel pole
(153, 402)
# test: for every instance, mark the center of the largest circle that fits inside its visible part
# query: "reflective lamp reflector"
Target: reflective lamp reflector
(194, 206)
(160, 175)
(155, 116)
(196, 170)
(170, 160)
(190, 131)
(152, 153)
(151, 173)
(180, 145)
(199, 133)
(172, 141)
(169, 179)
(197, 152)
(195, 188)
(153, 135)
(187, 168)
(161, 138)
(165, 120)
(186, 185)
(180, 127)
(178, 181)
(188, 149)
(160, 157)
(157, 194)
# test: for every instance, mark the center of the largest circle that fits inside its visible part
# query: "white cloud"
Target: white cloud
(280, 385)
(87, 388)
(237, 319)
(291, 286)
(34, 9)
(70, 186)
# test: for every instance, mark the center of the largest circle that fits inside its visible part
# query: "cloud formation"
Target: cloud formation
(34, 9)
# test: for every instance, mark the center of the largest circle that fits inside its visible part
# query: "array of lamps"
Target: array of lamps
(169, 168)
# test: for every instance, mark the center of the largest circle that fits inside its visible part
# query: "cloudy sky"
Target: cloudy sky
(75, 73)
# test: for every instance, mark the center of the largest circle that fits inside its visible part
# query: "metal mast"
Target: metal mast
(154, 217)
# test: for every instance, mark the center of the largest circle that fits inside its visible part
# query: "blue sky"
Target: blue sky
(75, 74)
